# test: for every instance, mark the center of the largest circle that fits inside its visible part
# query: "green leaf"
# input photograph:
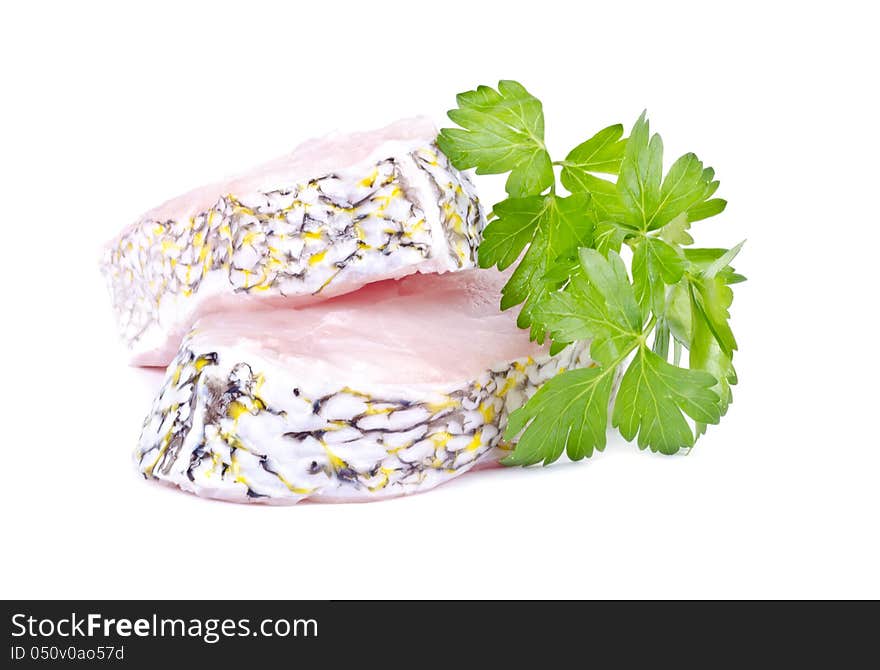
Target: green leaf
(640, 173)
(563, 270)
(609, 277)
(566, 316)
(609, 236)
(534, 175)
(505, 237)
(607, 307)
(554, 227)
(653, 398)
(714, 263)
(598, 305)
(571, 224)
(683, 187)
(702, 258)
(711, 298)
(655, 265)
(501, 131)
(678, 312)
(601, 153)
(527, 286)
(568, 413)
(725, 259)
(702, 299)
(676, 231)
(706, 354)
(605, 198)
(652, 201)
(706, 209)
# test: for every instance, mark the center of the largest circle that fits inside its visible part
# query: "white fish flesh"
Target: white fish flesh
(333, 215)
(390, 390)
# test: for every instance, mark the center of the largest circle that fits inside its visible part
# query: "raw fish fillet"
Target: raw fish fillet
(390, 390)
(333, 215)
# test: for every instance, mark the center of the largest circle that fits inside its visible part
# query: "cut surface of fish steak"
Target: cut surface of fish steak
(335, 214)
(391, 390)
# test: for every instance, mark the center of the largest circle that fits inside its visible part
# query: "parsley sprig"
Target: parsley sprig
(573, 285)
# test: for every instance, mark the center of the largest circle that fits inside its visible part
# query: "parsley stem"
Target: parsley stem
(643, 338)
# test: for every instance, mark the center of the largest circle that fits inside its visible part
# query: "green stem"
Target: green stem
(640, 341)
(647, 330)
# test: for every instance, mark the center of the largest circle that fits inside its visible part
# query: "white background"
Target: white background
(108, 109)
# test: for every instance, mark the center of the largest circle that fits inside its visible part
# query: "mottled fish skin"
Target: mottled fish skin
(319, 237)
(243, 431)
